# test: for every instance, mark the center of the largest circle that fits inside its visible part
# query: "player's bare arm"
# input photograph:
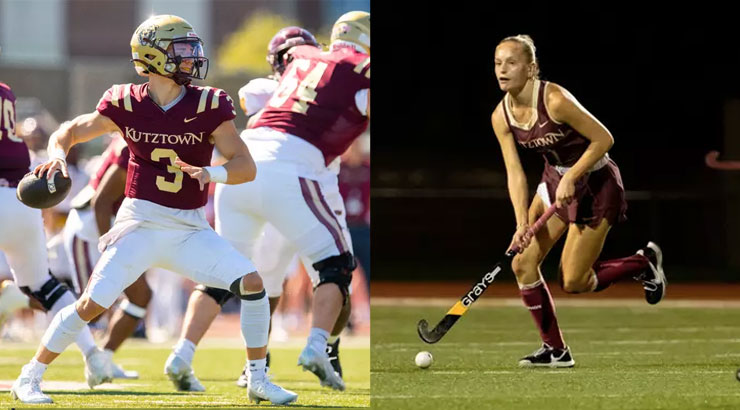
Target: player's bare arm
(515, 177)
(565, 108)
(368, 104)
(239, 168)
(81, 129)
(111, 188)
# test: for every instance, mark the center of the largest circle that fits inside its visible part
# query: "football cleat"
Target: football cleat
(11, 299)
(243, 380)
(653, 280)
(120, 373)
(181, 375)
(547, 356)
(117, 371)
(318, 363)
(98, 368)
(333, 351)
(27, 389)
(38, 192)
(265, 390)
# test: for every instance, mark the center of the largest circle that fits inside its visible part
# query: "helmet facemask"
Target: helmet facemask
(186, 60)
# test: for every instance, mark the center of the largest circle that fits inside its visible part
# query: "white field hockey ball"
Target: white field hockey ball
(423, 359)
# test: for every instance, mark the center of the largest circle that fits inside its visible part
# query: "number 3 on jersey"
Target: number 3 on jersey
(163, 184)
(305, 91)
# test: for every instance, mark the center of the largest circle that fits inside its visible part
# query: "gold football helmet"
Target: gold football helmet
(167, 45)
(353, 27)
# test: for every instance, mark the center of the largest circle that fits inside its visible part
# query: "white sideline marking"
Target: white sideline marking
(567, 302)
(540, 396)
(73, 386)
(456, 345)
(570, 372)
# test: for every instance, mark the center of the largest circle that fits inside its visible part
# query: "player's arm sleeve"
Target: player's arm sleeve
(111, 101)
(224, 106)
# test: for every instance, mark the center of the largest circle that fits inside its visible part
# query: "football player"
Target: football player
(170, 127)
(23, 241)
(319, 108)
(93, 209)
(273, 253)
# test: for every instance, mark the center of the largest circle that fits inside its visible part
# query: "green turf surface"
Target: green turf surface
(216, 366)
(645, 357)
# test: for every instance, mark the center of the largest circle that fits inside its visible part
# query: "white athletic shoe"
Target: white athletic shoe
(265, 390)
(118, 372)
(318, 363)
(27, 389)
(11, 299)
(98, 368)
(181, 374)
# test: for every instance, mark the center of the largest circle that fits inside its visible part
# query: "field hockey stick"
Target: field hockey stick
(471, 296)
(712, 160)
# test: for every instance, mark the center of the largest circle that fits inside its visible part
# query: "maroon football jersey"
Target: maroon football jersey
(14, 157)
(156, 137)
(316, 98)
(117, 153)
(558, 143)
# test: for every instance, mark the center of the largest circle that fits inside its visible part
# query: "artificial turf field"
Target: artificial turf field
(217, 364)
(629, 355)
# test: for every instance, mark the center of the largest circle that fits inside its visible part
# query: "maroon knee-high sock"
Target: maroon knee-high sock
(539, 302)
(608, 272)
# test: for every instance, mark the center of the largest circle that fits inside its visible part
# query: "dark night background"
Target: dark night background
(662, 80)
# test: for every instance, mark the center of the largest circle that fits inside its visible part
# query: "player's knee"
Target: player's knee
(252, 282)
(87, 308)
(524, 269)
(142, 297)
(249, 287)
(337, 270)
(220, 296)
(49, 292)
(572, 281)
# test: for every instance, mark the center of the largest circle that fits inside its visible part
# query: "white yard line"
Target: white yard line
(566, 302)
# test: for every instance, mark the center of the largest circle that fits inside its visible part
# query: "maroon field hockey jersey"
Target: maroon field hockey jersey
(156, 137)
(558, 142)
(14, 157)
(316, 98)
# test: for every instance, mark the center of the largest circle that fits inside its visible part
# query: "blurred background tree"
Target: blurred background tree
(246, 48)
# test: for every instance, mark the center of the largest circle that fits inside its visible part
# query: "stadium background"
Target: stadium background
(662, 80)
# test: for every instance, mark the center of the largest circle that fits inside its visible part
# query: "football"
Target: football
(39, 193)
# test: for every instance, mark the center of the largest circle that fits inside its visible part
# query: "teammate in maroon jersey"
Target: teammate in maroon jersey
(171, 128)
(92, 211)
(320, 106)
(273, 253)
(23, 241)
(582, 181)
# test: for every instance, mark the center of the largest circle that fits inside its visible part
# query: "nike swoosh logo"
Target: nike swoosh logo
(543, 124)
(190, 119)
